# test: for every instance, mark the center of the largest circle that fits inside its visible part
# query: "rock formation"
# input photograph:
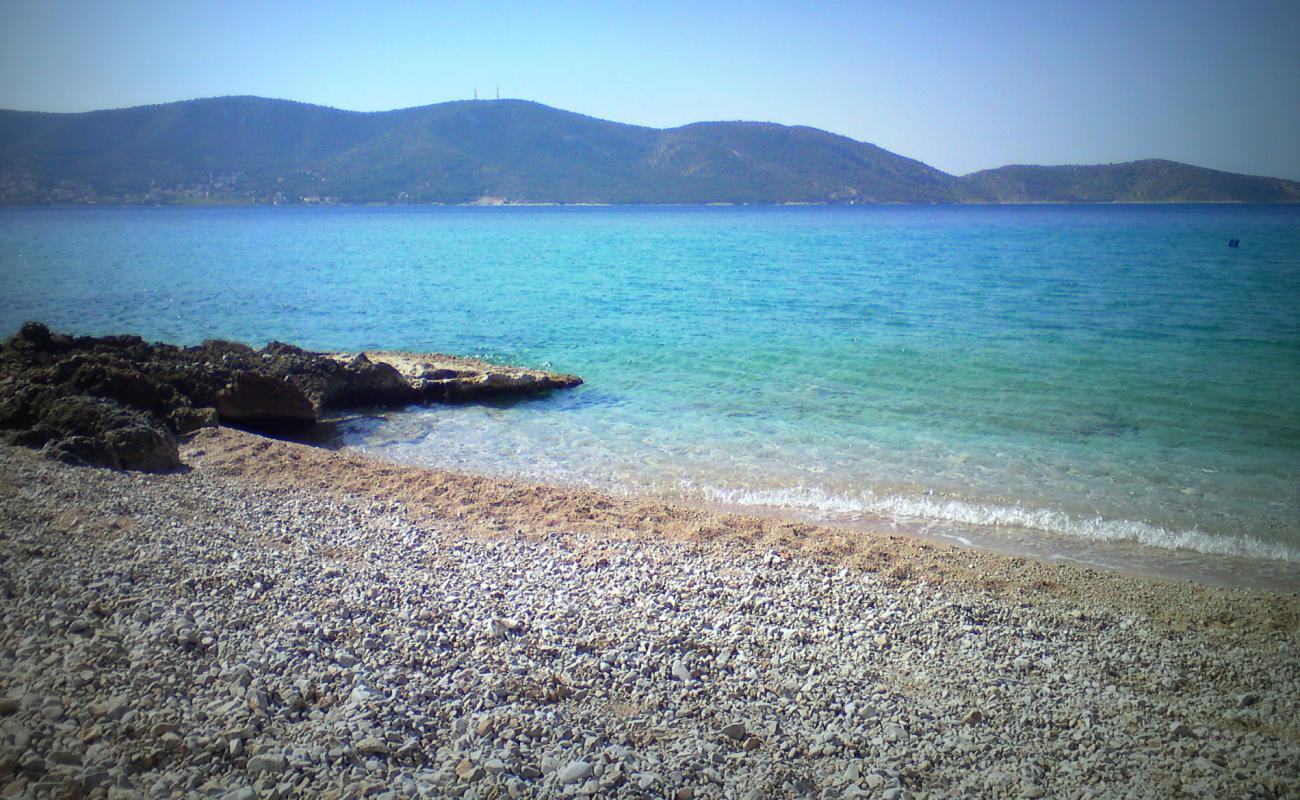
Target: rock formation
(118, 401)
(440, 378)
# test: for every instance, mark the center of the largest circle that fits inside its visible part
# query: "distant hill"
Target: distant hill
(250, 149)
(1149, 181)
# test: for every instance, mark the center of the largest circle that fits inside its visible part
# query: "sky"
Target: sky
(961, 86)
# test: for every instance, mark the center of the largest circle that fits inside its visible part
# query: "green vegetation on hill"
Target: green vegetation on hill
(250, 149)
(1149, 181)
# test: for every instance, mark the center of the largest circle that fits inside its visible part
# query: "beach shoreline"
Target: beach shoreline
(1171, 564)
(1119, 556)
(500, 505)
(282, 620)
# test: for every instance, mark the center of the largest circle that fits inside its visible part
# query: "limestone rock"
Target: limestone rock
(152, 392)
(441, 378)
(253, 397)
(104, 433)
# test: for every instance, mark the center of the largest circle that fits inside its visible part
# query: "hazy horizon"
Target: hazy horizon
(958, 88)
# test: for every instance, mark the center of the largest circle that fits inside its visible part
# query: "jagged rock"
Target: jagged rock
(133, 397)
(86, 450)
(15, 403)
(371, 383)
(258, 398)
(334, 382)
(441, 378)
(116, 380)
(104, 433)
(33, 336)
(187, 419)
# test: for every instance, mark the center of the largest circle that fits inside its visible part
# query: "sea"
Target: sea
(1107, 386)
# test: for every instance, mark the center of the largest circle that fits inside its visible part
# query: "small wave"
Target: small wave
(815, 499)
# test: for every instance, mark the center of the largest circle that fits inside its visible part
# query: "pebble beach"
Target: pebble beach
(278, 621)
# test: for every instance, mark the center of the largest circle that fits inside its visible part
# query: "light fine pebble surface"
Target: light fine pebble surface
(279, 621)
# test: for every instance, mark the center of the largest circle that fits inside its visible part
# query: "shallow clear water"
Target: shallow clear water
(1054, 376)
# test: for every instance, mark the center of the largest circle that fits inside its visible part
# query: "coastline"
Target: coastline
(325, 624)
(497, 506)
(1122, 556)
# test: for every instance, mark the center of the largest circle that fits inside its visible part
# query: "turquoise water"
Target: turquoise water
(1065, 380)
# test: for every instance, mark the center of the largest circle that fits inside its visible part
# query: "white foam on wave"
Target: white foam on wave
(813, 499)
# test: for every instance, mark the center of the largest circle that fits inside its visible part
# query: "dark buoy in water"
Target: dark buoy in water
(1234, 242)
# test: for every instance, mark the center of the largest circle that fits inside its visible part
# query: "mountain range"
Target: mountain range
(255, 150)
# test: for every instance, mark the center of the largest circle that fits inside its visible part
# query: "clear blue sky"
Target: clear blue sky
(960, 85)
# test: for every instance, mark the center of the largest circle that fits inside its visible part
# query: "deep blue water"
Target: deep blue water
(1059, 374)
